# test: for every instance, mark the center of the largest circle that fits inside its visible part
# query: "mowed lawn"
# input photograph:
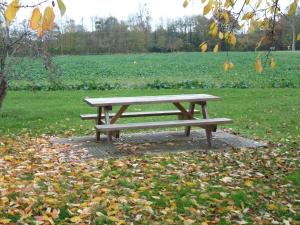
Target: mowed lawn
(269, 114)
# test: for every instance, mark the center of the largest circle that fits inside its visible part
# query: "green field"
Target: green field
(155, 71)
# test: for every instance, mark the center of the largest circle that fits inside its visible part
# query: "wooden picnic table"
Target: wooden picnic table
(186, 116)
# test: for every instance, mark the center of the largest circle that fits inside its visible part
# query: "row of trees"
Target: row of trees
(110, 35)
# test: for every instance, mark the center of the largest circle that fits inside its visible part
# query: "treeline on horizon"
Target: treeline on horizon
(135, 35)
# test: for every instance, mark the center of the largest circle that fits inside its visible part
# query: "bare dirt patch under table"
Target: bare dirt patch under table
(154, 142)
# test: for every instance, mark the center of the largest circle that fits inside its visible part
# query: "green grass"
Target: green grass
(158, 71)
(270, 114)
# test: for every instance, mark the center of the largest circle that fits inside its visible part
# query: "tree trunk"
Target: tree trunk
(3, 90)
(293, 34)
(294, 39)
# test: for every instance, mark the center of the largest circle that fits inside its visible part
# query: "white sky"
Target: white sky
(121, 9)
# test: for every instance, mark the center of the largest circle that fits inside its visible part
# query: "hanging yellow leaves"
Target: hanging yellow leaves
(35, 19)
(11, 11)
(298, 37)
(61, 7)
(258, 65)
(185, 3)
(216, 48)
(221, 35)
(293, 8)
(47, 21)
(207, 8)
(37, 22)
(213, 29)
(231, 39)
(203, 47)
(228, 3)
(48, 18)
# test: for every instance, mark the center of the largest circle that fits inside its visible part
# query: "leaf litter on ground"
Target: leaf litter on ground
(46, 183)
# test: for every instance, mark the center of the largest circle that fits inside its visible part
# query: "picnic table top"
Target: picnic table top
(98, 102)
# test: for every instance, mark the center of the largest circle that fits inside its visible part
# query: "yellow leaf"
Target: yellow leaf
(258, 66)
(247, 2)
(230, 65)
(185, 3)
(229, 3)
(216, 48)
(11, 11)
(273, 64)
(35, 19)
(48, 19)
(207, 8)
(221, 35)
(75, 219)
(225, 17)
(213, 29)
(249, 183)
(293, 8)
(61, 7)
(258, 3)
(4, 221)
(226, 66)
(231, 39)
(188, 222)
(272, 206)
(117, 220)
(298, 37)
(203, 47)
(8, 158)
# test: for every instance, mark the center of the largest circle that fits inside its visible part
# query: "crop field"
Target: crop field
(156, 71)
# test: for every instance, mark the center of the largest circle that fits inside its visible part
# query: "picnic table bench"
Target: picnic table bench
(106, 120)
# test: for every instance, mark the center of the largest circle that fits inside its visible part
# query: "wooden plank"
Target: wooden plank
(191, 111)
(204, 110)
(96, 102)
(99, 122)
(107, 121)
(185, 113)
(176, 123)
(208, 130)
(136, 114)
(119, 114)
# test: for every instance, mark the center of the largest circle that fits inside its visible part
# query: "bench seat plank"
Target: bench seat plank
(176, 123)
(136, 114)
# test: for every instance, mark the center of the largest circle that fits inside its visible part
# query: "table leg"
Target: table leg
(191, 111)
(117, 116)
(208, 130)
(99, 122)
(107, 121)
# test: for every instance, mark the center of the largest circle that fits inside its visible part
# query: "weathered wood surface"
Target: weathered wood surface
(96, 102)
(136, 114)
(99, 122)
(191, 111)
(176, 123)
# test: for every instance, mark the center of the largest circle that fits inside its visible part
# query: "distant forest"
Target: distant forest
(136, 35)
